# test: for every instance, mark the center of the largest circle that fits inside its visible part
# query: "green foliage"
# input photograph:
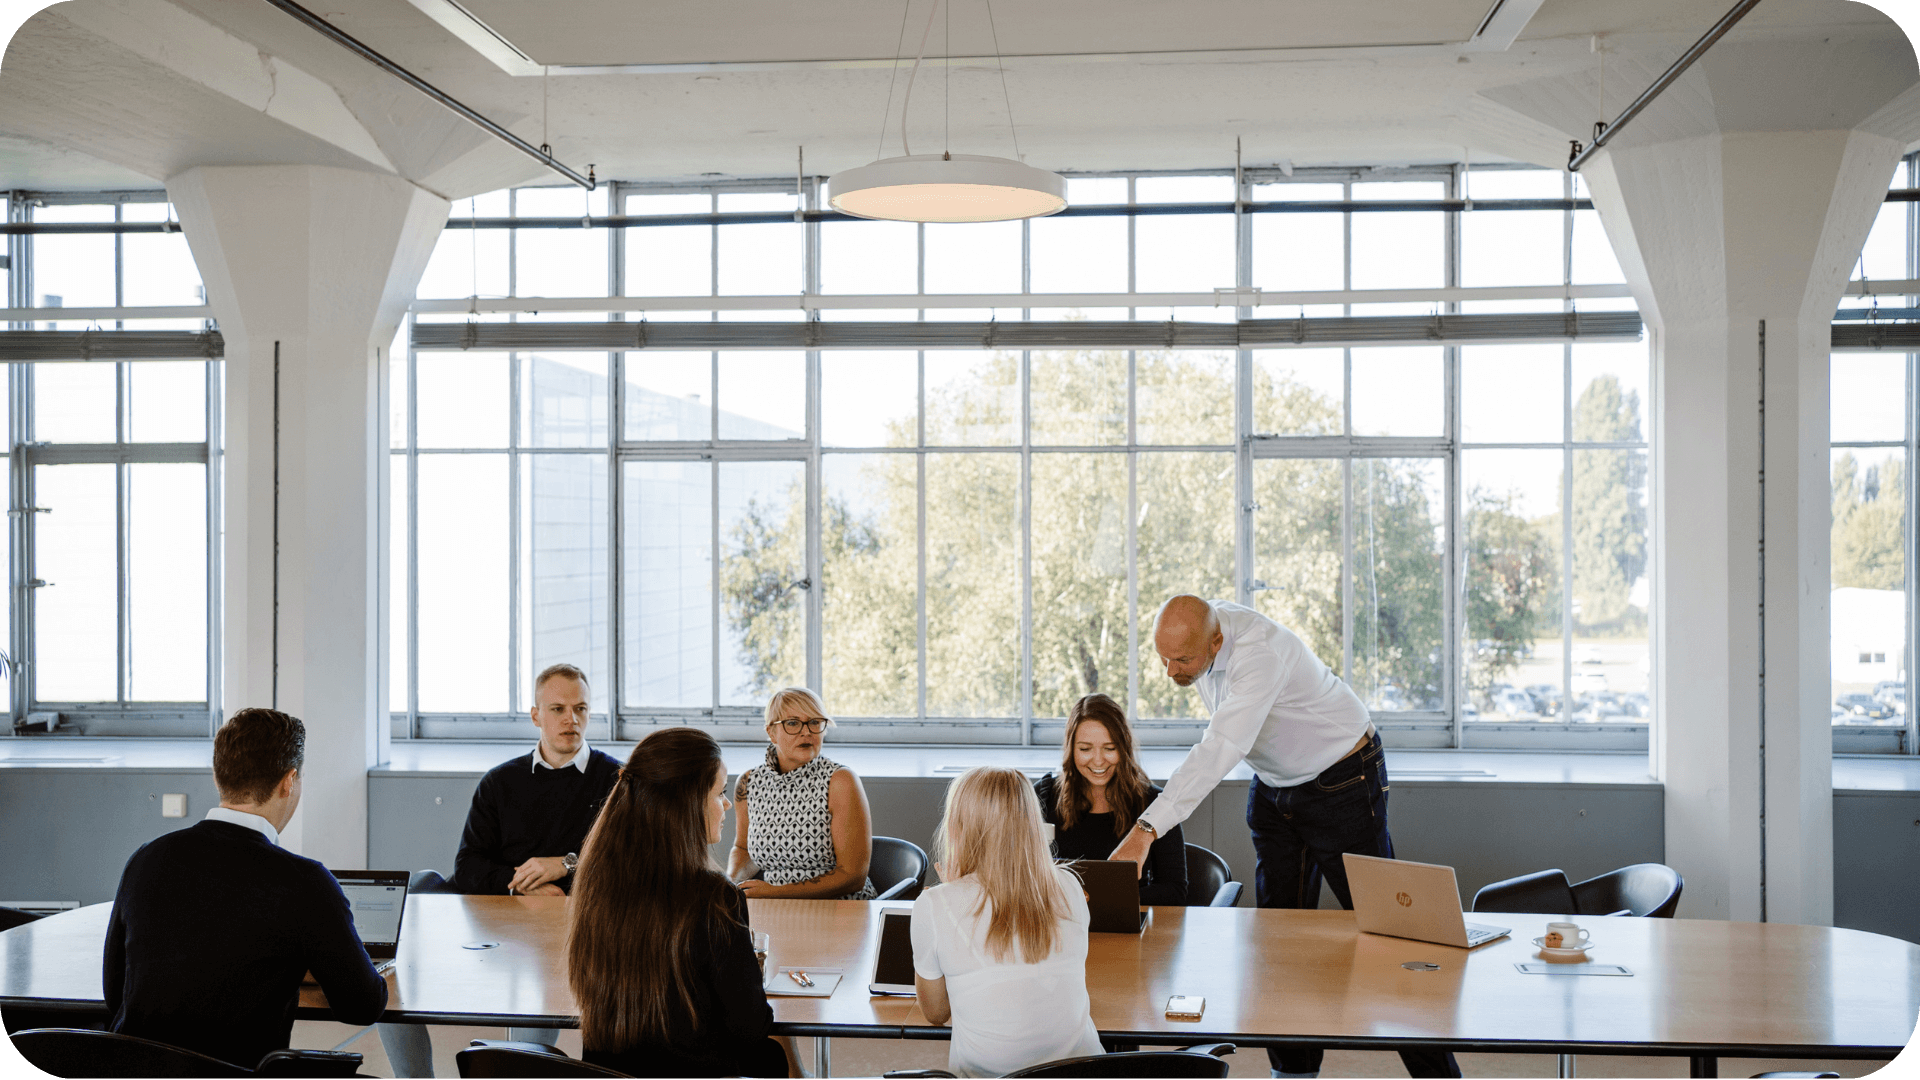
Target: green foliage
(1869, 531)
(1609, 509)
(1513, 566)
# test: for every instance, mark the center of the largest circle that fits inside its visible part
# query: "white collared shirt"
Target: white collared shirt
(1273, 705)
(241, 817)
(578, 761)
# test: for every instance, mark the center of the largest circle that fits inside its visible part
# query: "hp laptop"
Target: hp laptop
(378, 899)
(1113, 895)
(1412, 900)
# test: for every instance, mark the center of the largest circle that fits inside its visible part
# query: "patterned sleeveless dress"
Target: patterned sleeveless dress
(789, 827)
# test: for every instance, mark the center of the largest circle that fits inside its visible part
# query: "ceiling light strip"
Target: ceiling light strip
(355, 46)
(1252, 333)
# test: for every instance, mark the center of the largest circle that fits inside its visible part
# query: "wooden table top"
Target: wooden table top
(1269, 976)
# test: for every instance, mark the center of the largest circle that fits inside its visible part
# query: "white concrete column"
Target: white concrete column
(1721, 234)
(1741, 196)
(318, 264)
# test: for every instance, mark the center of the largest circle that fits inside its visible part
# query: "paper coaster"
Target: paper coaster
(778, 983)
(1573, 969)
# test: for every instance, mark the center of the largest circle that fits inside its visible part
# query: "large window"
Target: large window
(113, 500)
(954, 545)
(1874, 438)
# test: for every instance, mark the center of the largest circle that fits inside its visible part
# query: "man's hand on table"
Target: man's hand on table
(1134, 850)
(533, 877)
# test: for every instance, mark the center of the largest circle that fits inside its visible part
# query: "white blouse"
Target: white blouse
(1007, 1014)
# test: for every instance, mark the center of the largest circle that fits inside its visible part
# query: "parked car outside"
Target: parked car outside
(1862, 706)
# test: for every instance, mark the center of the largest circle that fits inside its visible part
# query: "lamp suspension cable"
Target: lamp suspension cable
(906, 102)
(1001, 62)
(905, 10)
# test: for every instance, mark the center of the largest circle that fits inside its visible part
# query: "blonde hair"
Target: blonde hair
(803, 700)
(991, 829)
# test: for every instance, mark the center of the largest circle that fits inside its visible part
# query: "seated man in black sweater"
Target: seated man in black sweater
(531, 813)
(214, 926)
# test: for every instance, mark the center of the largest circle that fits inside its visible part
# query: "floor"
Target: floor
(871, 1057)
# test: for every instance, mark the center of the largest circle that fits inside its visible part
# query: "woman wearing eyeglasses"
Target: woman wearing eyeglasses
(801, 828)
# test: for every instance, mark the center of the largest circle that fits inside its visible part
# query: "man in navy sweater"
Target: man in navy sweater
(214, 926)
(531, 813)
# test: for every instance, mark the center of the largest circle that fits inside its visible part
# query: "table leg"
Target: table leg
(1703, 1066)
(822, 1056)
(1566, 1067)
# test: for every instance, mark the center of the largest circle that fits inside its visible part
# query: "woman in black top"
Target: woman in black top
(659, 956)
(1101, 790)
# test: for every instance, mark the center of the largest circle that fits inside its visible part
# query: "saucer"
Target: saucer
(1562, 956)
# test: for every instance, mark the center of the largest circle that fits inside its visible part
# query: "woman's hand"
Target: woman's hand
(758, 889)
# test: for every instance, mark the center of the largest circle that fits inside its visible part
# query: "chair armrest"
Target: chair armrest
(309, 1063)
(510, 1044)
(1228, 895)
(916, 1074)
(897, 888)
(1221, 1049)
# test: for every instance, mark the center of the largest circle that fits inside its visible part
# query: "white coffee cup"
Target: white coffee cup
(1570, 934)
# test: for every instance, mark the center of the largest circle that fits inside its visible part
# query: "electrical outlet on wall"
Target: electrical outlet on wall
(173, 806)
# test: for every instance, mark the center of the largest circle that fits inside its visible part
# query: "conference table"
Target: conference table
(1697, 989)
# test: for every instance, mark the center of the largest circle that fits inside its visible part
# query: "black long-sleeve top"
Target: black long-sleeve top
(727, 1035)
(213, 928)
(520, 812)
(1163, 880)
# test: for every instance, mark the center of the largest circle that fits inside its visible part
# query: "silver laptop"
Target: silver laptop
(1412, 900)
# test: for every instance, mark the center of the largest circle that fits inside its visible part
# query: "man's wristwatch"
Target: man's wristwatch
(1146, 826)
(570, 860)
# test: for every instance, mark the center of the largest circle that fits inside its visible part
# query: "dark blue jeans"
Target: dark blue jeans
(1299, 834)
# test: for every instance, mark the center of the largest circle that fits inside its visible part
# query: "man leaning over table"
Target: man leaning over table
(531, 813)
(1320, 776)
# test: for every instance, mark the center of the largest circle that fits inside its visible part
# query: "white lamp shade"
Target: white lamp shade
(935, 187)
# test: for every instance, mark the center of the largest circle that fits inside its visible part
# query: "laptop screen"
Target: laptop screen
(376, 910)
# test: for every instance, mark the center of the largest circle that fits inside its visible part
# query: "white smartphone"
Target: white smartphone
(1183, 1007)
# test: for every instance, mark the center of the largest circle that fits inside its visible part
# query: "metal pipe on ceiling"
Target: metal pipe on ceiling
(352, 44)
(1603, 133)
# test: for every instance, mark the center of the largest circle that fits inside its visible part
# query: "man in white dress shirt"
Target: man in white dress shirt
(1320, 777)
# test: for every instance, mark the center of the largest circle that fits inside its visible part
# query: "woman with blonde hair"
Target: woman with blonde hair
(659, 956)
(1000, 948)
(801, 828)
(1099, 793)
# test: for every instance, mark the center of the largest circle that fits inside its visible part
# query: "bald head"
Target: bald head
(1187, 636)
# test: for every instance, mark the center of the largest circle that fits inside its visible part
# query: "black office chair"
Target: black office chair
(491, 1058)
(81, 1053)
(12, 917)
(427, 881)
(1543, 891)
(1649, 890)
(1209, 882)
(1196, 1061)
(897, 868)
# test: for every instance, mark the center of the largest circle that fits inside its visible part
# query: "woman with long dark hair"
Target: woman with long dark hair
(659, 956)
(1101, 789)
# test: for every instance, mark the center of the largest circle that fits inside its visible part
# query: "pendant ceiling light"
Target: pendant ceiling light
(947, 187)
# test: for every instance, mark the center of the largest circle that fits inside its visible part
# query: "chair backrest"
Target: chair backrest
(897, 869)
(504, 1059)
(1544, 891)
(76, 1052)
(426, 881)
(12, 917)
(1650, 890)
(1209, 881)
(1172, 1063)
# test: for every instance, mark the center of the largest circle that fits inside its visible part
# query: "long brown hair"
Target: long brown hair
(992, 829)
(644, 888)
(1126, 792)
